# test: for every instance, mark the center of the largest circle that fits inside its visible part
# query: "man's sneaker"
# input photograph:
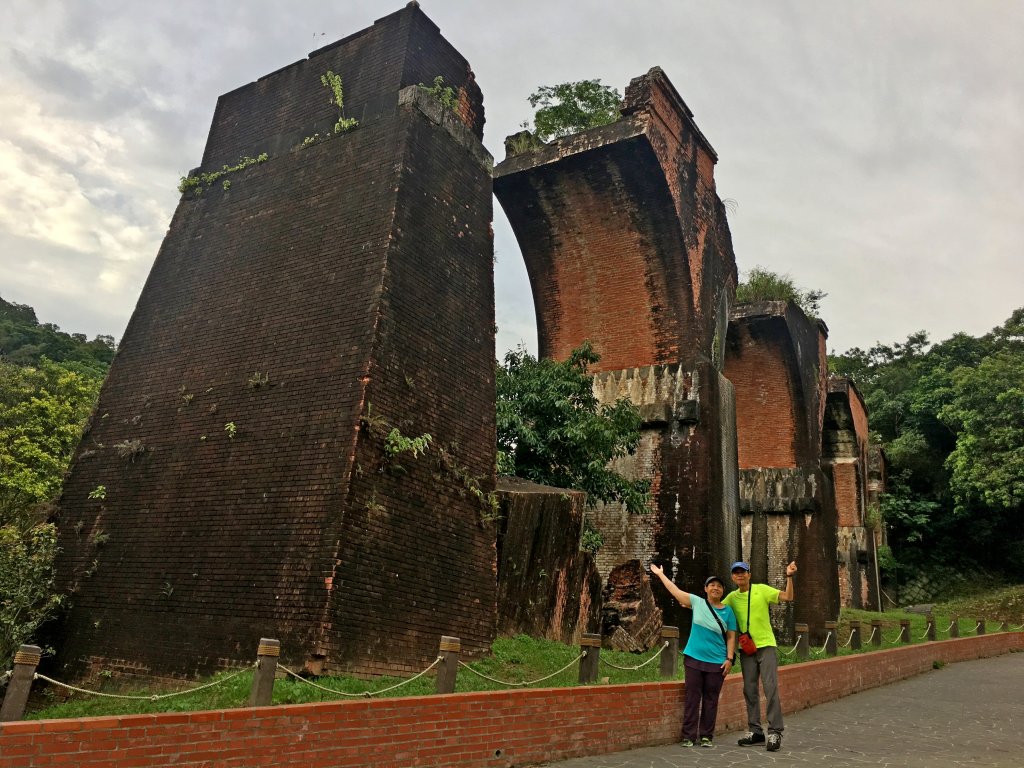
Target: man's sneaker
(774, 742)
(705, 741)
(752, 739)
(686, 743)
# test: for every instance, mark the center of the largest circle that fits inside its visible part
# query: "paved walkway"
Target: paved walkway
(966, 714)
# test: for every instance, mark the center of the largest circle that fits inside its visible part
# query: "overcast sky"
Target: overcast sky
(874, 148)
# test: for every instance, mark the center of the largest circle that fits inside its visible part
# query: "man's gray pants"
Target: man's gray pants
(764, 665)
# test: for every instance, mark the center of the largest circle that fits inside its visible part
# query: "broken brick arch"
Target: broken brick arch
(626, 244)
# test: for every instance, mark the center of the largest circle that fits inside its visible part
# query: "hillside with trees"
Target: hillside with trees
(49, 382)
(950, 417)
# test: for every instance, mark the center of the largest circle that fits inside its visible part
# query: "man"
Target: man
(764, 664)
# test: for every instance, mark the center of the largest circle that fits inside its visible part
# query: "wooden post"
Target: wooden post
(905, 630)
(591, 646)
(876, 632)
(802, 649)
(831, 641)
(448, 669)
(931, 628)
(981, 626)
(954, 631)
(855, 634)
(26, 659)
(669, 663)
(262, 692)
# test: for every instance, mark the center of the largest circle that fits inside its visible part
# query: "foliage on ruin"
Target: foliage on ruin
(553, 430)
(762, 284)
(444, 94)
(332, 82)
(569, 108)
(206, 180)
(950, 417)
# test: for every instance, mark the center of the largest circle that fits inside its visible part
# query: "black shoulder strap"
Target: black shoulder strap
(750, 591)
(714, 613)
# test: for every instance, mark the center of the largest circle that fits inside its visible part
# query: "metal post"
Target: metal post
(931, 628)
(26, 659)
(954, 631)
(802, 649)
(669, 663)
(855, 634)
(905, 630)
(448, 669)
(591, 646)
(876, 632)
(831, 643)
(262, 692)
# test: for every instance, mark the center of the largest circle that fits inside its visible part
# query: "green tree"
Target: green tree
(764, 285)
(569, 108)
(42, 411)
(552, 430)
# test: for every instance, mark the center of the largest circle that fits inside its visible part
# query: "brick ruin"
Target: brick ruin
(626, 244)
(248, 470)
(846, 456)
(803, 463)
(340, 289)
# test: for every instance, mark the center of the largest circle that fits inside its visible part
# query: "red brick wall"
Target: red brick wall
(849, 486)
(759, 368)
(468, 730)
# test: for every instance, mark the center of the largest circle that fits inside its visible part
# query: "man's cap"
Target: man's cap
(709, 579)
(739, 564)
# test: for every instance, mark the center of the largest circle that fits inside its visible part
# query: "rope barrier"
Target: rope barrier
(822, 649)
(792, 650)
(522, 685)
(152, 697)
(874, 631)
(638, 666)
(927, 627)
(6, 675)
(898, 637)
(364, 694)
(976, 627)
(847, 643)
(950, 626)
(1012, 629)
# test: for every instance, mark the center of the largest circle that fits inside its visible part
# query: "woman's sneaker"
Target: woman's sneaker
(774, 742)
(752, 739)
(686, 743)
(706, 742)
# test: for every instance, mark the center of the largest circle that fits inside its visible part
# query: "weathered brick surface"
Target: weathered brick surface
(845, 452)
(464, 730)
(775, 359)
(547, 586)
(626, 244)
(356, 276)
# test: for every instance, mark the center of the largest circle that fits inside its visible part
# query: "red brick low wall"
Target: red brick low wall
(501, 729)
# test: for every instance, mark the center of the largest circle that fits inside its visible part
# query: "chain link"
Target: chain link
(522, 685)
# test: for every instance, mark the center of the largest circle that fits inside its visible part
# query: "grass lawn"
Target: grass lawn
(520, 659)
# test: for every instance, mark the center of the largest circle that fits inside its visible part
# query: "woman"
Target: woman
(708, 656)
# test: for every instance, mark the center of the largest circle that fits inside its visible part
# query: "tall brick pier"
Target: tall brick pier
(626, 244)
(237, 480)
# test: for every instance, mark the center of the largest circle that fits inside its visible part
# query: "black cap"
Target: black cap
(709, 579)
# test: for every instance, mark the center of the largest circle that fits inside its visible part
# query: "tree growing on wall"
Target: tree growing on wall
(569, 108)
(552, 430)
(761, 284)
